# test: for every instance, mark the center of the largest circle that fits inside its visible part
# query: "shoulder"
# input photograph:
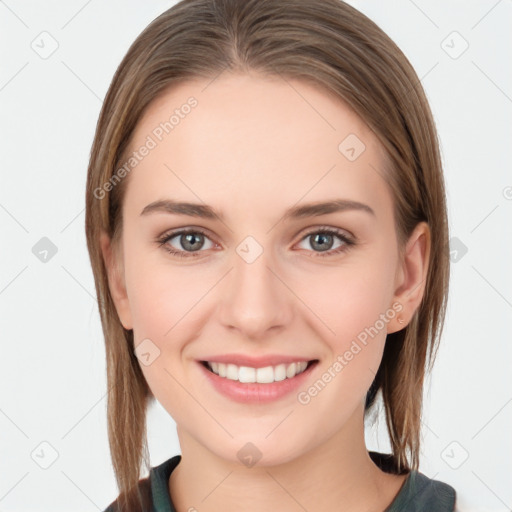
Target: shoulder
(153, 488)
(419, 493)
(144, 488)
(423, 494)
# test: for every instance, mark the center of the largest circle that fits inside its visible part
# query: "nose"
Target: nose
(255, 298)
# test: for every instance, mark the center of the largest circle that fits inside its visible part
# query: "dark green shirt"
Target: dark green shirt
(417, 494)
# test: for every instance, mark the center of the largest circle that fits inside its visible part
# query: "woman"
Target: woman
(266, 222)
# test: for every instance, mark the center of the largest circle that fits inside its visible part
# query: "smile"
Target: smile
(251, 385)
(264, 375)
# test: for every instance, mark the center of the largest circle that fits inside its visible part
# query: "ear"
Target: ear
(411, 276)
(115, 273)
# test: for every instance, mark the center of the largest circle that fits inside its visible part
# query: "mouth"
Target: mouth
(259, 375)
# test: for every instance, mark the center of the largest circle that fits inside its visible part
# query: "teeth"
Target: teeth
(264, 375)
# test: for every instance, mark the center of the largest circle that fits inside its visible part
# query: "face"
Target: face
(263, 275)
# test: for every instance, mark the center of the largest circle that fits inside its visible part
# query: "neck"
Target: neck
(336, 475)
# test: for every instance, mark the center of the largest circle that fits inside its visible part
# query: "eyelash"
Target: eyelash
(348, 242)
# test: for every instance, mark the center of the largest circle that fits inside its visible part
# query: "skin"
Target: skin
(252, 148)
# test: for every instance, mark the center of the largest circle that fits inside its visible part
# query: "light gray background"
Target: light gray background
(52, 368)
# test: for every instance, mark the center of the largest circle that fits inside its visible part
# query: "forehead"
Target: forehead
(254, 141)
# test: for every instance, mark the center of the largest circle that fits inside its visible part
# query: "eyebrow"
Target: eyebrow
(297, 212)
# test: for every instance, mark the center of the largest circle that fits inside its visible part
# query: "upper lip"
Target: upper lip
(256, 362)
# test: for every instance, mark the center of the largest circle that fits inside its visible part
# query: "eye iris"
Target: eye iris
(189, 241)
(320, 239)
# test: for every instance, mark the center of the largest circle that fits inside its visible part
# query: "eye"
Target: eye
(322, 240)
(193, 240)
(190, 240)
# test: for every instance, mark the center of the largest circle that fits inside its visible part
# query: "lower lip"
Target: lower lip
(254, 392)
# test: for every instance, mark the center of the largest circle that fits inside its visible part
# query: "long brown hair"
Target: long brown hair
(327, 43)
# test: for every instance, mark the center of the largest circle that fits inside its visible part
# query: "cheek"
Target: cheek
(163, 303)
(352, 310)
(348, 298)
(161, 294)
